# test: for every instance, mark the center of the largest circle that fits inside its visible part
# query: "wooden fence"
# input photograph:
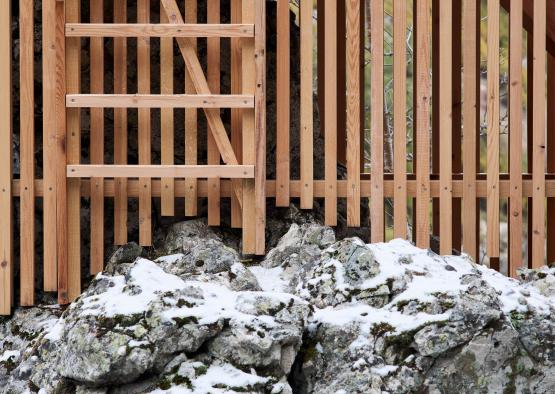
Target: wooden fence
(366, 60)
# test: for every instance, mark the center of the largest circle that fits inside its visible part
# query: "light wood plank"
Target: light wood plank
(422, 103)
(61, 158)
(538, 150)
(283, 102)
(249, 134)
(550, 214)
(515, 136)
(167, 121)
(236, 116)
(164, 101)
(330, 113)
(145, 132)
(377, 122)
(191, 117)
(200, 83)
(73, 83)
(445, 107)
(260, 126)
(6, 246)
(353, 9)
(213, 77)
(470, 125)
(160, 171)
(341, 82)
(120, 126)
(163, 29)
(399, 121)
(97, 142)
(307, 103)
(27, 152)
(49, 143)
(493, 130)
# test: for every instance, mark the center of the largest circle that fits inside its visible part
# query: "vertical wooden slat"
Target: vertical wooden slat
(27, 152)
(470, 109)
(377, 125)
(6, 247)
(550, 236)
(213, 77)
(260, 125)
(529, 130)
(353, 112)
(445, 107)
(399, 120)
(191, 115)
(457, 117)
(61, 156)
(167, 121)
(49, 143)
(515, 136)
(341, 83)
(493, 130)
(538, 150)
(435, 114)
(120, 126)
(249, 136)
(73, 79)
(330, 112)
(143, 73)
(422, 104)
(236, 116)
(282, 103)
(321, 57)
(97, 142)
(307, 105)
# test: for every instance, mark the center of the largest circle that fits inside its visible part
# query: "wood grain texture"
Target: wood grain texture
(120, 127)
(307, 103)
(191, 117)
(213, 77)
(163, 29)
(470, 15)
(538, 150)
(283, 102)
(445, 107)
(6, 246)
(330, 112)
(260, 126)
(377, 122)
(49, 143)
(97, 142)
(493, 130)
(422, 98)
(515, 136)
(249, 134)
(159, 171)
(353, 28)
(550, 214)
(73, 83)
(236, 116)
(61, 158)
(399, 121)
(167, 121)
(145, 127)
(27, 153)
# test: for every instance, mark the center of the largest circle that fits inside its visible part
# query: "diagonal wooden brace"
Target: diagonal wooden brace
(201, 85)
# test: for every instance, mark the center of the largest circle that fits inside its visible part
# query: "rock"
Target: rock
(318, 315)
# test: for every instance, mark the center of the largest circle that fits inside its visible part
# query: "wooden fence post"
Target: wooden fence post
(27, 152)
(6, 247)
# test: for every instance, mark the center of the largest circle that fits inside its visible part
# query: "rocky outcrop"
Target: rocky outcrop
(317, 315)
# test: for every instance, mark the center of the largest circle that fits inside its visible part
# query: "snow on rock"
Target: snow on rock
(318, 315)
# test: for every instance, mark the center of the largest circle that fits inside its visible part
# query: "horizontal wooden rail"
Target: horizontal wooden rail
(295, 186)
(158, 30)
(158, 101)
(160, 171)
